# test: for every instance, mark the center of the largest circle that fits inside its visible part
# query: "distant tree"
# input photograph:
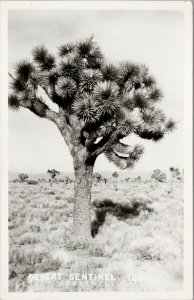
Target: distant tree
(158, 176)
(105, 180)
(115, 176)
(175, 172)
(175, 175)
(94, 99)
(53, 173)
(67, 180)
(98, 177)
(22, 177)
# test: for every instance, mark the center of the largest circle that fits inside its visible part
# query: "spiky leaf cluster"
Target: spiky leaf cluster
(44, 60)
(84, 108)
(13, 102)
(89, 80)
(66, 87)
(66, 49)
(110, 72)
(126, 159)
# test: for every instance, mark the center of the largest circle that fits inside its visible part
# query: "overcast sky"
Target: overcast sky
(155, 38)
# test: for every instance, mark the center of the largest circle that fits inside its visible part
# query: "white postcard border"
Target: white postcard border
(5, 6)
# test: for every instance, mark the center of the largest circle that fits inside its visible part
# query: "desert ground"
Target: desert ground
(142, 250)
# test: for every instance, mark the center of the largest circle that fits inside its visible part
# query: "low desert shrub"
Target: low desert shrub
(44, 217)
(70, 200)
(51, 193)
(15, 180)
(35, 228)
(96, 249)
(31, 261)
(146, 249)
(32, 182)
(28, 238)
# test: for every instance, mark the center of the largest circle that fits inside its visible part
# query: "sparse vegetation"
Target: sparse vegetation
(133, 228)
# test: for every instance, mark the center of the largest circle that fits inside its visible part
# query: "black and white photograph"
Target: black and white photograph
(99, 149)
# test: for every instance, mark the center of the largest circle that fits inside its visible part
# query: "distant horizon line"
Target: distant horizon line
(98, 171)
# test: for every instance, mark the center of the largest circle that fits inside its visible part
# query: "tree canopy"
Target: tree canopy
(99, 103)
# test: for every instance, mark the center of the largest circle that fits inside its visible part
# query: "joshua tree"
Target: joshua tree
(175, 172)
(175, 175)
(105, 180)
(138, 178)
(22, 177)
(67, 180)
(98, 177)
(98, 104)
(53, 173)
(115, 175)
(158, 176)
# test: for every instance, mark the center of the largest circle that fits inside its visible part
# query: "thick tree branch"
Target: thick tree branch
(48, 113)
(64, 127)
(104, 143)
(51, 115)
(57, 118)
(40, 109)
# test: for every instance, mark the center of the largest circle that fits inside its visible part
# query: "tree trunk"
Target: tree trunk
(82, 206)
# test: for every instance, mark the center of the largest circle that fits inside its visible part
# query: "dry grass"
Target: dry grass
(143, 252)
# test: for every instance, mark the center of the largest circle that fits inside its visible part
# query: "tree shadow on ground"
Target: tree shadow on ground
(119, 210)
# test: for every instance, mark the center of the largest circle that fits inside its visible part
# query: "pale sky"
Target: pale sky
(155, 38)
